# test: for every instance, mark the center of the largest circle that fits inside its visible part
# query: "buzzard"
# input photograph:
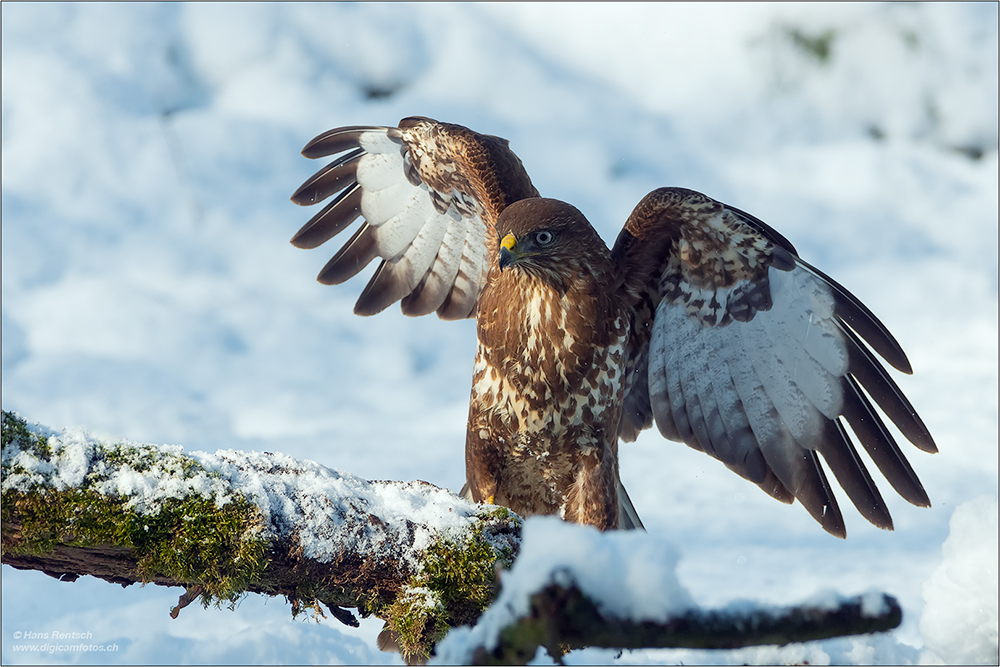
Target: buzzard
(701, 319)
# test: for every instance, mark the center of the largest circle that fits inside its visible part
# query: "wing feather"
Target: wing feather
(703, 379)
(795, 468)
(742, 445)
(391, 208)
(850, 471)
(471, 277)
(750, 354)
(416, 260)
(687, 400)
(806, 314)
(339, 140)
(637, 410)
(432, 291)
(384, 288)
(856, 314)
(671, 388)
(388, 142)
(812, 489)
(379, 171)
(880, 445)
(761, 341)
(771, 433)
(866, 369)
(430, 194)
(795, 333)
(397, 278)
(402, 216)
(331, 178)
(351, 259)
(333, 219)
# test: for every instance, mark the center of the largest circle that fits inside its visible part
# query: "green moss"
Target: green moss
(188, 539)
(463, 574)
(419, 620)
(498, 514)
(14, 431)
(456, 583)
(213, 543)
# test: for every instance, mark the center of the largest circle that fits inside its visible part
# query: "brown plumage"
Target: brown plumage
(701, 319)
(547, 387)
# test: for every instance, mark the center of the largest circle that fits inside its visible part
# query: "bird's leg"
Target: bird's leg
(482, 465)
(593, 497)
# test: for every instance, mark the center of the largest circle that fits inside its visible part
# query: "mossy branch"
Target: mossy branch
(232, 523)
(129, 513)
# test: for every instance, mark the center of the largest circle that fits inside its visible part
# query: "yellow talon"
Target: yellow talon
(489, 500)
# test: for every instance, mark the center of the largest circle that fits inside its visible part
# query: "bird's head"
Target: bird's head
(547, 238)
(533, 244)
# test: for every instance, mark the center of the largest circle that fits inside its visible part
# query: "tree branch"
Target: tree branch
(231, 523)
(563, 618)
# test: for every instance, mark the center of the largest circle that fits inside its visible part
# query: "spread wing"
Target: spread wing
(429, 193)
(744, 351)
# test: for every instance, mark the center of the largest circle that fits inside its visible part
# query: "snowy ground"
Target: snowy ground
(149, 290)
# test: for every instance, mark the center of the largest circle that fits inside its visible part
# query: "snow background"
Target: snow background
(149, 290)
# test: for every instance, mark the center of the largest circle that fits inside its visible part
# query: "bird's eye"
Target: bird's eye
(544, 238)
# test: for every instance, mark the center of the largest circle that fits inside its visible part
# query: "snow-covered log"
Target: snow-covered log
(227, 524)
(230, 523)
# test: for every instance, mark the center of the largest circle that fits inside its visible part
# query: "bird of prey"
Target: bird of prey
(701, 319)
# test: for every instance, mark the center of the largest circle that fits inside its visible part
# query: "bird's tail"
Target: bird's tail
(628, 518)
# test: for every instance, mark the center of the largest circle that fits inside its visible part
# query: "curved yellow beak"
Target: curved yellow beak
(508, 251)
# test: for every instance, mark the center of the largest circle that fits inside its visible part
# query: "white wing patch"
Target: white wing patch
(799, 416)
(809, 317)
(379, 171)
(396, 231)
(418, 257)
(379, 206)
(447, 262)
(770, 382)
(379, 142)
(447, 249)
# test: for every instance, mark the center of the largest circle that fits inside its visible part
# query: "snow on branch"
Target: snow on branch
(227, 524)
(573, 587)
(231, 523)
(561, 619)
